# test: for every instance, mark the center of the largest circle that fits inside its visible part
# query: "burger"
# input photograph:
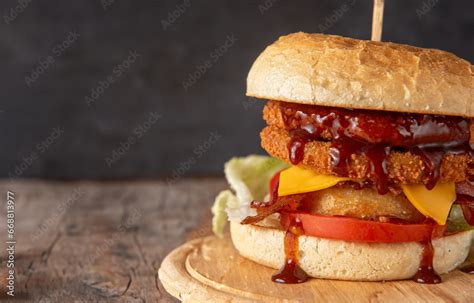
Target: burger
(371, 163)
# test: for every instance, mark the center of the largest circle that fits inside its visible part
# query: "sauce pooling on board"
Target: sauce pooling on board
(373, 134)
(468, 268)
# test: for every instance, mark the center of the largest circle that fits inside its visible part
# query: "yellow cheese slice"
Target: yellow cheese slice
(296, 180)
(435, 203)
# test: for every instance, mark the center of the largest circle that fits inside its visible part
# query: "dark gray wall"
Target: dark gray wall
(198, 128)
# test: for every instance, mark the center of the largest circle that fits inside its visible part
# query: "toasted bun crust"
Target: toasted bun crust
(335, 71)
(337, 259)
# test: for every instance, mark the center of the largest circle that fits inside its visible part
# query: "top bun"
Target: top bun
(329, 70)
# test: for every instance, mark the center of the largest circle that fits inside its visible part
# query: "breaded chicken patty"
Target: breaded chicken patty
(273, 116)
(402, 167)
(363, 203)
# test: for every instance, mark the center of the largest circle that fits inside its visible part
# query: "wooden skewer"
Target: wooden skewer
(377, 20)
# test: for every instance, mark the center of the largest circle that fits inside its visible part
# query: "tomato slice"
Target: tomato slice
(358, 230)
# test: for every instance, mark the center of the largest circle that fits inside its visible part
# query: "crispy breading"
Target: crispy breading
(346, 201)
(403, 167)
(273, 117)
(363, 203)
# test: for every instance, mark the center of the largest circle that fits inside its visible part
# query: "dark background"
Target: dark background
(180, 143)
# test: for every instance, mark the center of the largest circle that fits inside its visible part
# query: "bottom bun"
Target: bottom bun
(338, 259)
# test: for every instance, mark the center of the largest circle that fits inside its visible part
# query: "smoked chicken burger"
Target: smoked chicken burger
(371, 162)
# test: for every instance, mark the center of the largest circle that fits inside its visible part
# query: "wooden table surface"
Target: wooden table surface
(100, 241)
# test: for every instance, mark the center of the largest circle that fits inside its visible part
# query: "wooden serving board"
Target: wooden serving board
(210, 270)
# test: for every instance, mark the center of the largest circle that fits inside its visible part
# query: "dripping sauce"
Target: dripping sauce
(426, 273)
(359, 133)
(373, 134)
(291, 272)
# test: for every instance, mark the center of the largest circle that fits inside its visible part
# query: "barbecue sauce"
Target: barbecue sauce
(373, 134)
(426, 273)
(291, 272)
(298, 140)
(432, 164)
(468, 268)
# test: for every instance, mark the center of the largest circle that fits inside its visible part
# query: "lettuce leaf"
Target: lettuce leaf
(456, 221)
(219, 218)
(248, 177)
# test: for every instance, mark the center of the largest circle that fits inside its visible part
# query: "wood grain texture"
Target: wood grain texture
(212, 266)
(100, 241)
(377, 20)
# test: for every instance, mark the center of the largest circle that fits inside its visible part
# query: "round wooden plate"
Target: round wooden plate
(210, 269)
